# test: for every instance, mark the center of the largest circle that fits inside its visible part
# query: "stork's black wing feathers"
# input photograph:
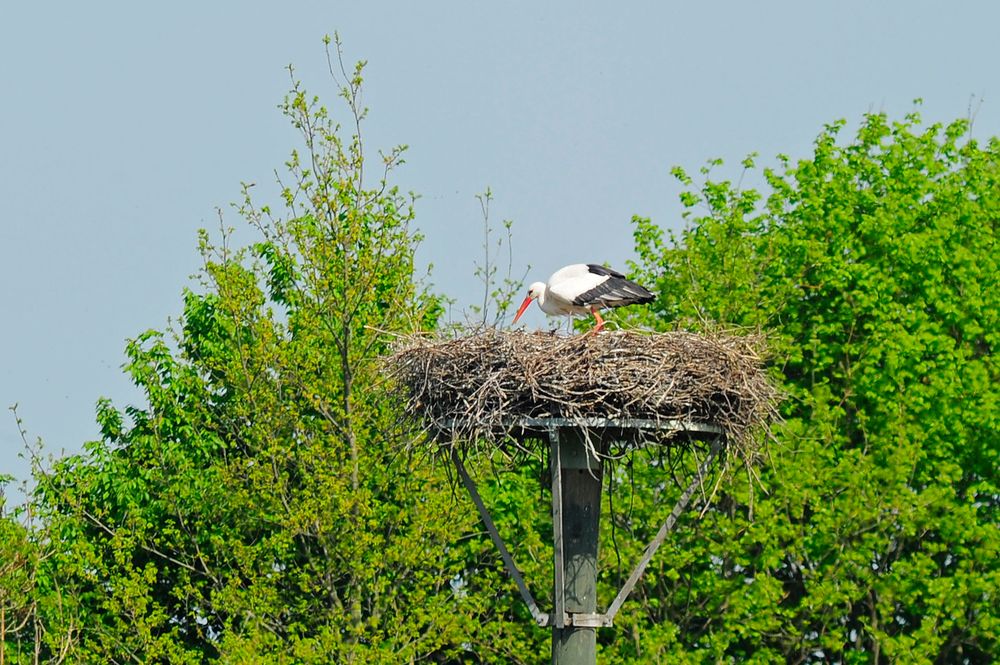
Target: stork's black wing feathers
(615, 291)
(601, 270)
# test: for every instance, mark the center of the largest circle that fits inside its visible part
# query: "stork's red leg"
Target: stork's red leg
(597, 317)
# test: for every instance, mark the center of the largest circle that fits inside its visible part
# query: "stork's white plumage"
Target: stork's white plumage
(584, 288)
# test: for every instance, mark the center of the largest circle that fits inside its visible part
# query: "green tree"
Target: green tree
(872, 265)
(37, 621)
(17, 564)
(262, 506)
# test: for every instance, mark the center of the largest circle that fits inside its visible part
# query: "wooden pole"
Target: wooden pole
(576, 503)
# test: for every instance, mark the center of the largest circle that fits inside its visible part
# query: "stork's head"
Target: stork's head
(536, 290)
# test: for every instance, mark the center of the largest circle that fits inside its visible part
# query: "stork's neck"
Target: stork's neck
(547, 304)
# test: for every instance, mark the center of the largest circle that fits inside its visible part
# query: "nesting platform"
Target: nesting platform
(495, 385)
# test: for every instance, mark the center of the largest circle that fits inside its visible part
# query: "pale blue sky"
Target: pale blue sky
(123, 126)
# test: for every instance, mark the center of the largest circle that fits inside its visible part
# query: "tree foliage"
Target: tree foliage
(872, 265)
(261, 505)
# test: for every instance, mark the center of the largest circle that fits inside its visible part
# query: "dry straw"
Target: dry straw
(470, 390)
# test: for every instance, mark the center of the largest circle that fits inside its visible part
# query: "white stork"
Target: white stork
(584, 288)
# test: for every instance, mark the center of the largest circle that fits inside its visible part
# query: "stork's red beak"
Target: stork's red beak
(520, 310)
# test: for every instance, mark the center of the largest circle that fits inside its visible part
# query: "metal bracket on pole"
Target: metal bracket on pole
(540, 617)
(679, 507)
(560, 619)
(585, 620)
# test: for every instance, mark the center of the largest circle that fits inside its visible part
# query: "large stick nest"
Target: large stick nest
(473, 388)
